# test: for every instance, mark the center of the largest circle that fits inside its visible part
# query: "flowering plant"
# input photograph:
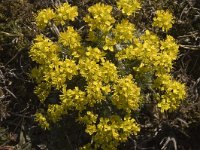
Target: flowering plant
(108, 91)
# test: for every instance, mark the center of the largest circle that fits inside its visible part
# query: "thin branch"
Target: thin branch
(10, 92)
(190, 47)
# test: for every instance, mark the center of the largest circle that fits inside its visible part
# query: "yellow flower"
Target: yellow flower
(42, 90)
(126, 94)
(94, 54)
(65, 12)
(60, 71)
(90, 129)
(163, 19)
(70, 38)
(43, 17)
(128, 7)
(172, 92)
(124, 31)
(100, 17)
(109, 44)
(41, 120)
(44, 51)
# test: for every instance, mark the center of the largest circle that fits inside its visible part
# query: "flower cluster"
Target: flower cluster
(109, 44)
(168, 53)
(94, 54)
(71, 40)
(73, 99)
(124, 31)
(173, 92)
(44, 50)
(44, 17)
(59, 72)
(62, 14)
(100, 17)
(125, 89)
(42, 90)
(55, 112)
(163, 19)
(156, 56)
(65, 12)
(129, 7)
(115, 128)
(41, 120)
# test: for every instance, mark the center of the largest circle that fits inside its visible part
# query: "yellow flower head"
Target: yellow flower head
(70, 38)
(163, 19)
(65, 12)
(43, 17)
(41, 120)
(124, 31)
(100, 17)
(128, 7)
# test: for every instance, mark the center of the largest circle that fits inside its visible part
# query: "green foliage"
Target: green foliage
(112, 91)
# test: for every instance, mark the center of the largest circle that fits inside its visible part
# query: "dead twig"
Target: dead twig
(190, 47)
(168, 140)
